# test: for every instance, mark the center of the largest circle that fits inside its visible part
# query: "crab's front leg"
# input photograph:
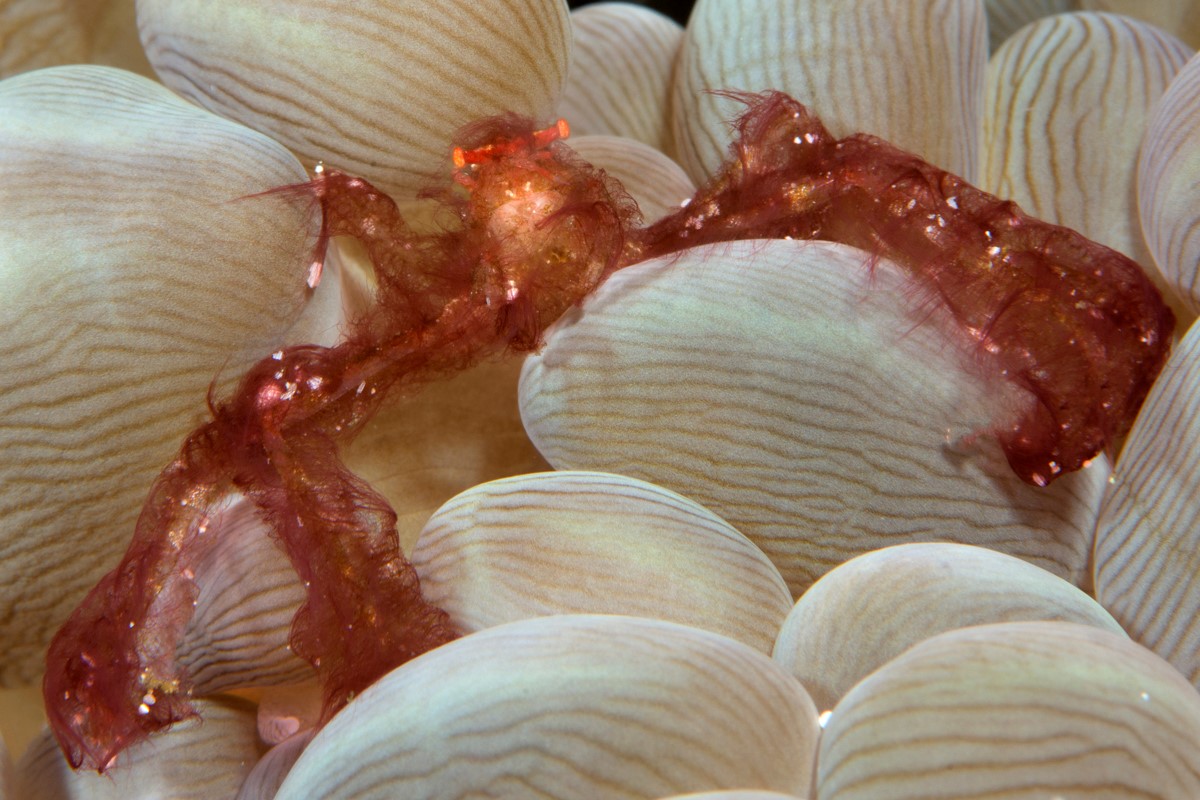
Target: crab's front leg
(413, 279)
(112, 678)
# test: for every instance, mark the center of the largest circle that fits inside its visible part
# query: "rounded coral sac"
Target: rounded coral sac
(1148, 535)
(1022, 710)
(872, 608)
(370, 88)
(1006, 17)
(587, 542)
(852, 61)
(621, 64)
(657, 183)
(571, 707)
(1168, 197)
(48, 33)
(132, 276)
(1179, 17)
(789, 388)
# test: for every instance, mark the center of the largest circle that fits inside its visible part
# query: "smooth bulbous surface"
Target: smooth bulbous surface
(622, 61)
(263, 782)
(1167, 192)
(1019, 710)
(320, 76)
(1148, 535)
(133, 274)
(1178, 17)
(49, 33)
(1046, 78)
(748, 377)
(657, 183)
(872, 608)
(924, 99)
(1006, 17)
(196, 760)
(568, 707)
(589, 542)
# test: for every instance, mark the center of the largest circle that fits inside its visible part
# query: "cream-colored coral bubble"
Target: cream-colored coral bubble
(621, 66)
(788, 387)
(1148, 534)
(871, 609)
(198, 759)
(571, 707)
(133, 274)
(1020, 710)
(1107, 69)
(853, 63)
(376, 89)
(658, 184)
(590, 542)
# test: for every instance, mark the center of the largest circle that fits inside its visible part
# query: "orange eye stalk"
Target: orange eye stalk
(534, 140)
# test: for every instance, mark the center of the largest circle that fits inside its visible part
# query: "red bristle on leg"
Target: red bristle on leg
(111, 678)
(1077, 325)
(539, 230)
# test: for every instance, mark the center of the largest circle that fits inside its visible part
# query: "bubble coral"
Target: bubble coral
(265, 378)
(540, 230)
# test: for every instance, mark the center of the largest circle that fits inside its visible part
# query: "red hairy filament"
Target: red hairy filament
(539, 230)
(1077, 325)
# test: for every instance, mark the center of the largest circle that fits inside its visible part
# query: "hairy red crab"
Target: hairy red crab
(1075, 323)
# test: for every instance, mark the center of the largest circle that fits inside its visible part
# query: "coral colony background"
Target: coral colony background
(733, 436)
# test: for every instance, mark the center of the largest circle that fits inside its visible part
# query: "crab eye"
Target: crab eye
(534, 140)
(559, 130)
